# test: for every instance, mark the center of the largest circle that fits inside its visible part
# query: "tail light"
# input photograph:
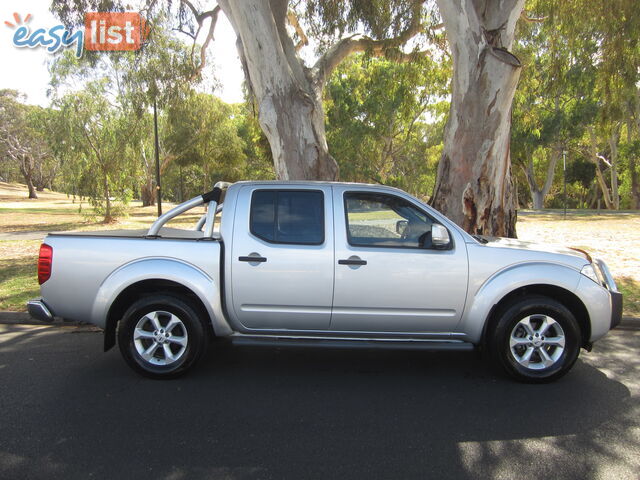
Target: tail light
(44, 263)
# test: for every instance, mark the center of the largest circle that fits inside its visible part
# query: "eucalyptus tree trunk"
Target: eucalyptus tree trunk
(289, 101)
(613, 146)
(32, 190)
(108, 218)
(26, 168)
(473, 185)
(635, 184)
(537, 193)
(610, 196)
(147, 194)
(147, 189)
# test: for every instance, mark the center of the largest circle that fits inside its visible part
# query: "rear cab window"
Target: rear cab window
(288, 216)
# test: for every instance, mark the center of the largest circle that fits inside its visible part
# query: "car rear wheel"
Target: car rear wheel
(536, 340)
(161, 336)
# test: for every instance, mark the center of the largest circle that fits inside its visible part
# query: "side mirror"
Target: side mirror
(439, 237)
(401, 227)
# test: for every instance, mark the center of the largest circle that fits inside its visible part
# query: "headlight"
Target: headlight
(605, 275)
(589, 271)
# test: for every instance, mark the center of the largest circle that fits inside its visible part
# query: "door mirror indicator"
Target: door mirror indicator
(440, 237)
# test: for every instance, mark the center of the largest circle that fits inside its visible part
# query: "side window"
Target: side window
(379, 220)
(288, 216)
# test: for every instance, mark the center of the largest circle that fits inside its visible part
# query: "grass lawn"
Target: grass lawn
(613, 237)
(52, 212)
(18, 282)
(56, 212)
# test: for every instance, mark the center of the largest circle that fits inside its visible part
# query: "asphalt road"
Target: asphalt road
(69, 411)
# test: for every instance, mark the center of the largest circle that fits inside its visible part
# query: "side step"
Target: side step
(393, 344)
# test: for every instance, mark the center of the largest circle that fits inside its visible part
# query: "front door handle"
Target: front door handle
(353, 260)
(254, 257)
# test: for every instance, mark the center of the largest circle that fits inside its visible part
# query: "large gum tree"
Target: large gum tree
(473, 185)
(287, 92)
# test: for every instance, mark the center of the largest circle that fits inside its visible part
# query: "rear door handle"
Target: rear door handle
(254, 257)
(352, 261)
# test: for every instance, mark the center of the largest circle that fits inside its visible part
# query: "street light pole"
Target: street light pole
(157, 153)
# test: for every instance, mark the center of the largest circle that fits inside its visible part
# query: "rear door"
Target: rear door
(388, 279)
(282, 257)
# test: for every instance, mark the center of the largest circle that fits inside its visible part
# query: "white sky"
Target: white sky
(25, 69)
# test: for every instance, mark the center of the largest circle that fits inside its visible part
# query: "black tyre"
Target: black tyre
(535, 340)
(161, 336)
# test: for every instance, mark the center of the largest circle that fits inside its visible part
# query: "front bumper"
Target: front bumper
(38, 310)
(616, 308)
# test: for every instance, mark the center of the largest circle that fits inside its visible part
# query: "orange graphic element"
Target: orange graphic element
(18, 20)
(114, 31)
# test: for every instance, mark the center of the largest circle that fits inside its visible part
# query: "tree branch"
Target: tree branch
(529, 19)
(188, 34)
(293, 21)
(207, 41)
(200, 18)
(604, 160)
(389, 47)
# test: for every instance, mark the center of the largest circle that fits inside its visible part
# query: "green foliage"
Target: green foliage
(578, 91)
(332, 19)
(385, 120)
(197, 132)
(203, 135)
(24, 148)
(259, 162)
(94, 133)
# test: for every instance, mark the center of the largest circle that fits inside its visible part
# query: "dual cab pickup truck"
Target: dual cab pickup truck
(325, 264)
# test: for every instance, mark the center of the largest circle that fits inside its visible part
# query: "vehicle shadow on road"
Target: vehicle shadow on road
(294, 413)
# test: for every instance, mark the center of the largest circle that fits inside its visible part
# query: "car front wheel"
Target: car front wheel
(536, 340)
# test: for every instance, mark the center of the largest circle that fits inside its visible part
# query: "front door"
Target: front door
(388, 278)
(282, 258)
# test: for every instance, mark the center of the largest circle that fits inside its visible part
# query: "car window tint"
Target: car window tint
(288, 216)
(263, 214)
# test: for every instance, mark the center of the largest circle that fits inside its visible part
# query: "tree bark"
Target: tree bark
(147, 194)
(32, 190)
(473, 185)
(614, 138)
(108, 218)
(635, 184)
(26, 168)
(289, 103)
